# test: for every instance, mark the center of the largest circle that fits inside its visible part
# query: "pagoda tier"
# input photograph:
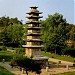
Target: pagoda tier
(41, 58)
(33, 22)
(34, 7)
(34, 34)
(33, 40)
(34, 28)
(33, 16)
(34, 12)
(33, 46)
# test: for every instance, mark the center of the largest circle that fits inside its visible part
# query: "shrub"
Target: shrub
(6, 55)
(27, 64)
(3, 48)
(69, 51)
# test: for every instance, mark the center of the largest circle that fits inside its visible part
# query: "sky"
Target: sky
(19, 8)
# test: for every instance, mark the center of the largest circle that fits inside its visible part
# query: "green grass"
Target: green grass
(4, 71)
(6, 55)
(65, 58)
(1, 28)
(67, 73)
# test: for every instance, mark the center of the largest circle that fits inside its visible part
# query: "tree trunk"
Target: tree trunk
(55, 51)
(26, 72)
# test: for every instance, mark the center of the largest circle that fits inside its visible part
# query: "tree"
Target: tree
(15, 21)
(6, 21)
(28, 64)
(12, 35)
(70, 32)
(15, 32)
(4, 36)
(54, 33)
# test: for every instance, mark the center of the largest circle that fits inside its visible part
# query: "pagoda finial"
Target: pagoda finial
(34, 7)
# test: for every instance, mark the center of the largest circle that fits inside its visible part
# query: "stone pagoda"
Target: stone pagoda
(34, 42)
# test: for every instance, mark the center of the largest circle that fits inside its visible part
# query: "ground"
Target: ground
(54, 69)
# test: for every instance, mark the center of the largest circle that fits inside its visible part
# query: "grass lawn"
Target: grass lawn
(6, 55)
(67, 73)
(57, 56)
(3, 71)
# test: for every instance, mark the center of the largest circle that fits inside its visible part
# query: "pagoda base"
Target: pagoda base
(43, 60)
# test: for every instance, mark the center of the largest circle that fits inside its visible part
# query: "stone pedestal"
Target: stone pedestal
(43, 60)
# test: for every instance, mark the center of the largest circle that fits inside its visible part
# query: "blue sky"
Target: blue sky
(19, 8)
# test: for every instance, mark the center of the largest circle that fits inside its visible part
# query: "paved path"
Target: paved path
(62, 62)
(8, 67)
(50, 71)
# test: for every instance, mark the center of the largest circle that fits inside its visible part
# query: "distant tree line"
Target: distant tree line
(6, 21)
(57, 34)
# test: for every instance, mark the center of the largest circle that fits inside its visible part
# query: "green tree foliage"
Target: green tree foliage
(15, 32)
(54, 32)
(71, 32)
(10, 30)
(6, 21)
(28, 64)
(4, 36)
(69, 51)
(12, 35)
